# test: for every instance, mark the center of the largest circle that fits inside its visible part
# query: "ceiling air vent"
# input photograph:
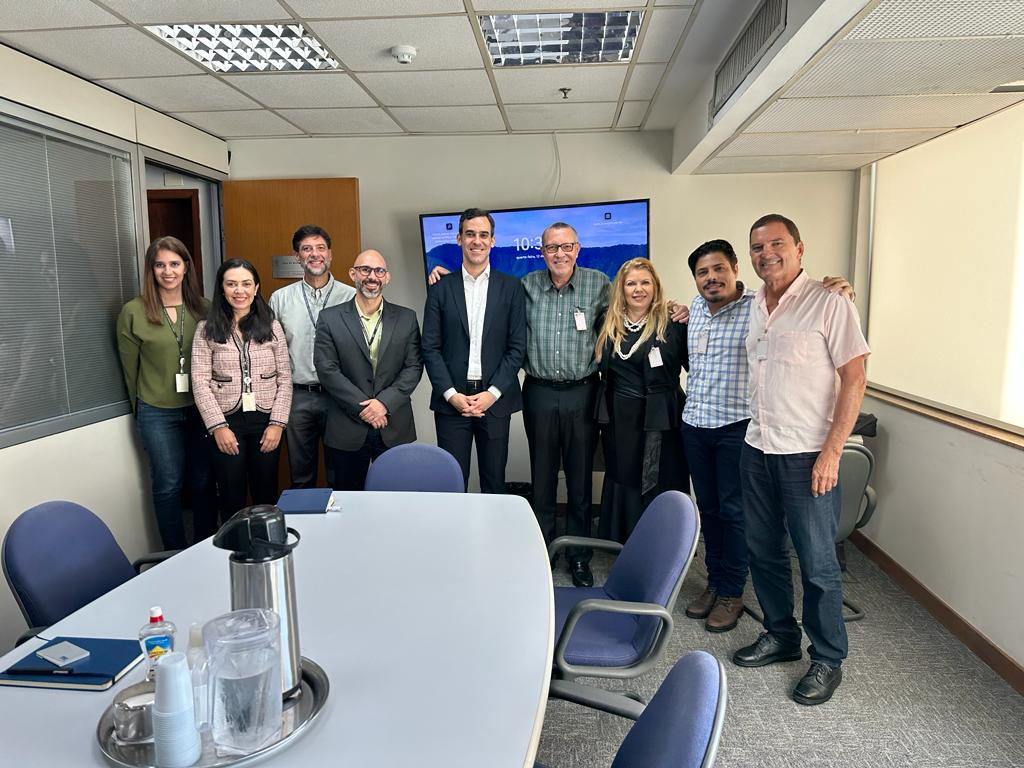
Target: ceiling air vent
(761, 31)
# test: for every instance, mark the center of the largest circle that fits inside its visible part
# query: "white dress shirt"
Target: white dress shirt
(476, 309)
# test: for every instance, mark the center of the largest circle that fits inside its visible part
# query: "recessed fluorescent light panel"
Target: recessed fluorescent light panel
(248, 47)
(515, 40)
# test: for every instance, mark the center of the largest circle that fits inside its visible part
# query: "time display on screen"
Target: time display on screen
(526, 244)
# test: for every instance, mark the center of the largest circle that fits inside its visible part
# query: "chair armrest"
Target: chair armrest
(869, 507)
(28, 634)
(596, 698)
(153, 558)
(562, 542)
(570, 671)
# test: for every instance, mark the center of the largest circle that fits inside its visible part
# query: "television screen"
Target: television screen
(609, 234)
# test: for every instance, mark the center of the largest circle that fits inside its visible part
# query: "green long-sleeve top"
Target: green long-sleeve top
(149, 356)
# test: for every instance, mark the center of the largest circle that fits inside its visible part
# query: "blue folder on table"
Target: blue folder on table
(109, 660)
(305, 501)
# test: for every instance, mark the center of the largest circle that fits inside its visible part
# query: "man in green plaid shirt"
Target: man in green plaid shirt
(563, 304)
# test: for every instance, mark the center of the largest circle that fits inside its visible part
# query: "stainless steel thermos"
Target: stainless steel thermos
(263, 576)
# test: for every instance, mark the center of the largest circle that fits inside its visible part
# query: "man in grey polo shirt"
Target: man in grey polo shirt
(297, 307)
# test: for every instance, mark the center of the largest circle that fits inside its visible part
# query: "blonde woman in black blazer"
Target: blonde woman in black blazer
(640, 355)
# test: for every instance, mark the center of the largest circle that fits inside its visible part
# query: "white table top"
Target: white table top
(432, 615)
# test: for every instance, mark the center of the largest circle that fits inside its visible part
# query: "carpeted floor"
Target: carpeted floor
(912, 694)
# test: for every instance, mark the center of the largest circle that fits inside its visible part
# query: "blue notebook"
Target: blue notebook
(305, 501)
(109, 660)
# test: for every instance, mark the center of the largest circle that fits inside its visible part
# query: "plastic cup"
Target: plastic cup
(173, 684)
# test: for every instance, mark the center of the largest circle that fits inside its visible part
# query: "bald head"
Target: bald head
(370, 274)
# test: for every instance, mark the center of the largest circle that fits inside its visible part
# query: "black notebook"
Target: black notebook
(305, 501)
(109, 660)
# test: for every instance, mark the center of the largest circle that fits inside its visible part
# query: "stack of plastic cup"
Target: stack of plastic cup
(175, 738)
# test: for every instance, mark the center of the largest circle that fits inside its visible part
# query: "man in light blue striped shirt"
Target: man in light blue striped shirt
(714, 424)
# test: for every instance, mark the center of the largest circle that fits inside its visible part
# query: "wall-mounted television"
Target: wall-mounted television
(610, 233)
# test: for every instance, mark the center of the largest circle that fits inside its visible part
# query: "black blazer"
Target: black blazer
(342, 362)
(663, 407)
(503, 345)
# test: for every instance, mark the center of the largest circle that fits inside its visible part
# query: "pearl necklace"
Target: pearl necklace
(632, 328)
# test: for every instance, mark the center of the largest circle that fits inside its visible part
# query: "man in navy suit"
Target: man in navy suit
(474, 340)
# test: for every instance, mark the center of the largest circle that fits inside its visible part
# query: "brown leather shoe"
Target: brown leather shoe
(724, 615)
(701, 606)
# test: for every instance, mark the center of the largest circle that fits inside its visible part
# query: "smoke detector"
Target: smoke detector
(404, 54)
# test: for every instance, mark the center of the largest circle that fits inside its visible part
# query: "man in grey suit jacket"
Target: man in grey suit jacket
(367, 357)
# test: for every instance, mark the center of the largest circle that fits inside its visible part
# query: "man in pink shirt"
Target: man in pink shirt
(806, 353)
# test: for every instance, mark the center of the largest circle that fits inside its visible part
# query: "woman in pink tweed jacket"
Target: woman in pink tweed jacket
(242, 382)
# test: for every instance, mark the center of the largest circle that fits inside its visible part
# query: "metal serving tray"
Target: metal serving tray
(299, 711)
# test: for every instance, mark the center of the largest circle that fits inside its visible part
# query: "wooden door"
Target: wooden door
(175, 212)
(260, 217)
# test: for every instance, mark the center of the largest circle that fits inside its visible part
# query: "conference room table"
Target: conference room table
(432, 615)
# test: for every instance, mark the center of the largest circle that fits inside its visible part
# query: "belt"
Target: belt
(552, 384)
(308, 387)
(473, 386)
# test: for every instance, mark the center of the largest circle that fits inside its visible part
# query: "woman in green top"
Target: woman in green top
(154, 340)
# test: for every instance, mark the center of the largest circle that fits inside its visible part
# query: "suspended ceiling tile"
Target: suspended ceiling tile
(888, 67)
(644, 81)
(568, 6)
(942, 18)
(303, 89)
(51, 14)
(552, 117)
(193, 93)
(343, 9)
(338, 121)
(663, 33)
(632, 114)
(449, 119)
(443, 42)
(825, 142)
(855, 112)
(534, 85)
(788, 163)
(430, 89)
(660, 3)
(189, 11)
(103, 53)
(229, 125)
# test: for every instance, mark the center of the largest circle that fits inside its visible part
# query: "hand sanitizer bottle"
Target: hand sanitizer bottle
(156, 638)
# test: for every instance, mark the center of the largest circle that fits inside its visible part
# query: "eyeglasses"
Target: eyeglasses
(366, 271)
(553, 248)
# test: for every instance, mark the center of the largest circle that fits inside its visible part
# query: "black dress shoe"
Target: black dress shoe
(581, 575)
(818, 685)
(765, 650)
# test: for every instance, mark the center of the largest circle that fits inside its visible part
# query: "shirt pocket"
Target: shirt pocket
(793, 348)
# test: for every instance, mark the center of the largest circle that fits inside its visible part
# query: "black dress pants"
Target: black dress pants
(457, 433)
(251, 470)
(350, 467)
(561, 432)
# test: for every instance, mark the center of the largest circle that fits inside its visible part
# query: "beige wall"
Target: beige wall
(949, 512)
(400, 178)
(99, 466)
(948, 269)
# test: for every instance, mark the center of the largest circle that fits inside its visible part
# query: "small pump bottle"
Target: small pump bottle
(156, 638)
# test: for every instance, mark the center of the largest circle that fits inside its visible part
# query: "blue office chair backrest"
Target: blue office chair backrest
(657, 552)
(682, 726)
(57, 557)
(415, 467)
(654, 560)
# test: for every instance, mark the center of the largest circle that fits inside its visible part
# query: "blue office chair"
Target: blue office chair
(415, 467)
(682, 726)
(619, 629)
(57, 557)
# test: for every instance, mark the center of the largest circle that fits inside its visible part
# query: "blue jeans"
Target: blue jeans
(179, 452)
(776, 497)
(713, 456)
